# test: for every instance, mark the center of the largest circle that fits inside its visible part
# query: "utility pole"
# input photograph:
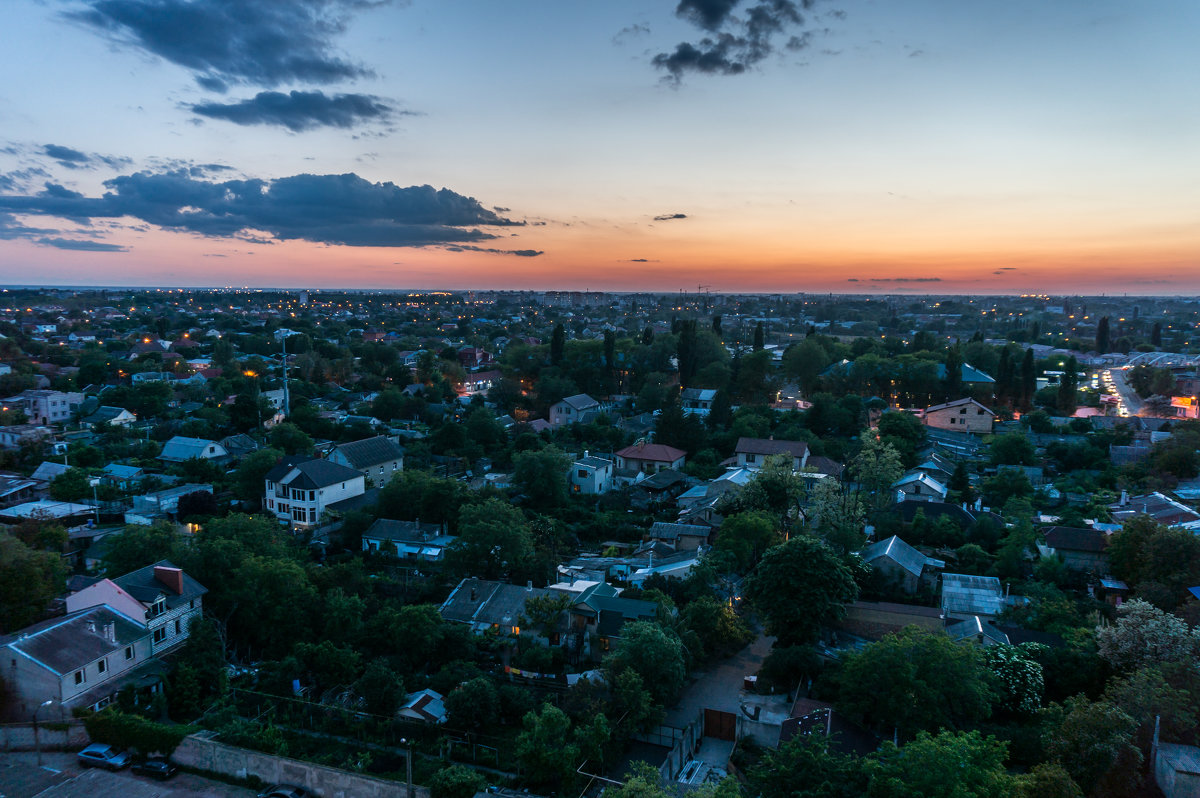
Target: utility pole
(287, 402)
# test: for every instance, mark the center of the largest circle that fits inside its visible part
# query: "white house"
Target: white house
(697, 401)
(299, 491)
(45, 406)
(408, 540)
(180, 449)
(591, 475)
(378, 459)
(573, 409)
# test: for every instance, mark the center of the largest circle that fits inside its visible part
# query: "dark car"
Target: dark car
(102, 756)
(159, 769)
(283, 791)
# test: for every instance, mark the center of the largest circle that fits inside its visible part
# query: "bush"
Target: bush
(133, 732)
(456, 781)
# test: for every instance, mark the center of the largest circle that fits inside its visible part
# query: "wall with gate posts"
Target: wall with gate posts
(682, 742)
(203, 753)
(51, 737)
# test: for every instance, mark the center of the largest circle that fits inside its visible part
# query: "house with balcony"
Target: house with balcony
(301, 489)
(45, 406)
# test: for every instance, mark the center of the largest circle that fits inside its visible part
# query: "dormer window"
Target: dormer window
(158, 607)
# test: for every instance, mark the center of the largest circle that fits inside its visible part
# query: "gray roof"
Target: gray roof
(72, 641)
(103, 414)
(769, 446)
(180, 449)
(48, 471)
(144, 586)
(580, 401)
(967, 594)
(485, 602)
(407, 531)
(974, 626)
(313, 473)
(900, 553)
(370, 451)
(593, 462)
(122, 471)
(662, 530)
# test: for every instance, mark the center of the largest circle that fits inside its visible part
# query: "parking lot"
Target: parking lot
(60, 776)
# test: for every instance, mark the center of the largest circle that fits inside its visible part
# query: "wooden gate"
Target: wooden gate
(721, 725)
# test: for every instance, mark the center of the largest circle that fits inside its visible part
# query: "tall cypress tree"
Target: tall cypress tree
(1004, 377)
(758, 337)
(1156, 335)
(1028, 380)
(1102, 335)
(558, 343)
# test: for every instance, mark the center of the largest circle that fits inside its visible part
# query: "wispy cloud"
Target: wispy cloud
(300, 110)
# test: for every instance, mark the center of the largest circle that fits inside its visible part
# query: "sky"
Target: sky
(864, 146)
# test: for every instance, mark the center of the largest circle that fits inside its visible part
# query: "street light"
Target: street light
(408, 764)
(37, 743)
(94, 481)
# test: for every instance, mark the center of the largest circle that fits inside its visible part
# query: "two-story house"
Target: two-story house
(650, 458)
(300, 489)
(80, 660)
(161, 596)
(961, 415)
(591, 475)
(46, 406)
(378, 459)
(697, 401)
(577, 409)
(753, 452)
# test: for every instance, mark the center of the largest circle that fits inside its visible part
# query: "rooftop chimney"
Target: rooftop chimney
(529, 586)
(171, 577)
(110, 632)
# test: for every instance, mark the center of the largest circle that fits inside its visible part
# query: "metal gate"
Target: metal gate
(721, 725)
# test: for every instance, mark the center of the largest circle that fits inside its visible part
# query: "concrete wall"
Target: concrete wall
(198, 751)
(19, 737)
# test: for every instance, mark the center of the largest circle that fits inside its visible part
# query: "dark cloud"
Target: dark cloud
(81, 245)
(852, 279)
(330, 209)
(666, 217)
(224, 42)
(66, 156)
(521, 253)
(299, 110)
(739, 36)
(906, 279)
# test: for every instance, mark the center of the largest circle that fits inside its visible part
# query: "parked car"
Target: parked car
(155, 768)
(103, 756)
(283, 791)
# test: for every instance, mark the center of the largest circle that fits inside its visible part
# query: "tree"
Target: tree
(838, 516)
(758, 337)
(473, 706)
(745, 536)
(290, 439)
(913, 680)
(493, 541)
(558, 342)
(716, 626)
(1103, 342)
(1048, 780)
(1092, 742)
(544, 748)
(1013, 448)
(1156, 335)
(904, 432)
(456, 781)
(29, 579)
(200, 675)
(876, 467)
(799, 587)
(542, 476)
(804, 767)
(1161, 563)
(948, 765)
(1145, 635)
(805, 361)
(1028, 379)
(380, 688)
(544, 614)
(249, 477)
(655, 654)
(139, 546)
(70, 486)
(1018, 676)
(197, 504)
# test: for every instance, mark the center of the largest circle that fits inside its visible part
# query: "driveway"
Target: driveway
(61, 777)
(719, 687)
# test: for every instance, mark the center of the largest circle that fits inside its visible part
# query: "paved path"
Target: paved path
(61, 777)
(719, 687)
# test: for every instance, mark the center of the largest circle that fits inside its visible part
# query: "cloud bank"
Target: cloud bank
(299, 110)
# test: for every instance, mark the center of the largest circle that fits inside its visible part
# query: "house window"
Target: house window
(158, 607)
(312, 514)
(582, 473)
(80, 677)
(749, 458)
(128, 652)
(312, 495)
(102, 666)
(178, 626)
(160, 635)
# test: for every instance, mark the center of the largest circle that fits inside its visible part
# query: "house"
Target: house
(591, 475)
(17, 435)
(577, 409)
(161, 595)
(240, 445)
(114, 416)
(480, 382)
(651, 457)
(180, 449)
(598, 611)
(753, 452)
(979, 631)
(961, 415)
(77, 661)
(682, 537)
(697, 401)
(408, 540)
(425, 705)
(901, 564)
(473, 357)
(1161, 508)
(484, 605)
(919, 486)
(17, 490)
(300, 490)
(966, 595)
(45, 406)
(123, 476)
(47, 471)
(378, 459)
(149, 507)
(1082, 550)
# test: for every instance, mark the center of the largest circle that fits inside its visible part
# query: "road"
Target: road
(718, 688)
(60, 776)
(1130, 401)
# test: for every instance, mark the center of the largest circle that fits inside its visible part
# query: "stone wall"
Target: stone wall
(19, 737)
(203, 753)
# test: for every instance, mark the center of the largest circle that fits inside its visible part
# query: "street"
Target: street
(60, 776)
(1131, 404)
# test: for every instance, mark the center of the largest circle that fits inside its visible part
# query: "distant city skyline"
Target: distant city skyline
(924, 147)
